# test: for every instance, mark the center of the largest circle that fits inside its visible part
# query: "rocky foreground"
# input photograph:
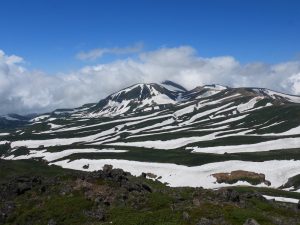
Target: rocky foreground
(32, 192)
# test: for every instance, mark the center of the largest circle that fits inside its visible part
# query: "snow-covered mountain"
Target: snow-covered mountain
(137, 98)
(142, 97)
(212, 128)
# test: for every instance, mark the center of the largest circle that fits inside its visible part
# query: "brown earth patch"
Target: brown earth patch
(241, 175)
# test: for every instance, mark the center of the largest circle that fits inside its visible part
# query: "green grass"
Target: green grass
(185, 157)
(65, 210)
(164, 206)
(10, 169)
(127, 216)
(268, 191)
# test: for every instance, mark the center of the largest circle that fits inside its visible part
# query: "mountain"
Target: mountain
(185, 137)
(137, 98)
(14, 120)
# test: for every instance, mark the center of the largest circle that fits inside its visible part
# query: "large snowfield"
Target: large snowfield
(197, 176)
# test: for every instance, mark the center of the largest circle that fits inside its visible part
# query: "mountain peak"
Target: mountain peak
(136, 98)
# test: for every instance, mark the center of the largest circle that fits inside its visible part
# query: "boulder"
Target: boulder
(186, 216)
(52, 222)
(107, 168)
(86, 166)
(196, 201)
(229, 194)
(206, 221)
(6, 209)
(22, 188)
(151, 175)
(147, 187)
(251, 222)
(98, 214)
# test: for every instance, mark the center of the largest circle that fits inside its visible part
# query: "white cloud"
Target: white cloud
(99, 52)
(293, 82)
(24, 91)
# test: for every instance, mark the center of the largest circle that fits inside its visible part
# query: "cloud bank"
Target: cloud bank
(25, 91)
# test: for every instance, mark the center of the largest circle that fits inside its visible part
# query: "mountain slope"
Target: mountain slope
(137, 98)
(14, 120)
(149, 127)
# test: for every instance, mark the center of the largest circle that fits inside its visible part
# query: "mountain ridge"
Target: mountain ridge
(264, 91)
(137, 129)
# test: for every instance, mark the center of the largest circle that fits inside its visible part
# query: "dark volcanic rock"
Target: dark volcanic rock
(229, 194)
(19, 186)
(110, 189)
(255, 195)
(22, 188)
(98, 214)
(107, 168)
(108, 173)
(5, 210)
(86, 166)
(186, 216)
(52, 222)
(293, 182)
(251, 222)
(147, 187)
(132, 187)
(206, 221)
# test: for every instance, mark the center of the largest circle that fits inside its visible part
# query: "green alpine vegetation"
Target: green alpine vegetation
(34, 193)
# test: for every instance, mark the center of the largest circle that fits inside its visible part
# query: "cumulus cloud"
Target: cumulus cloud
(26, 91)
(99, 52)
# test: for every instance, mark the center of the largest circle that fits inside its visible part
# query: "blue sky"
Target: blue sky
(65, 53)
(48, 34)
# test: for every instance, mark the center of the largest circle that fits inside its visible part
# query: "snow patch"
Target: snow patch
(284, 143)
(282, 199)
(51, 156)
(249, 105)
(196, 176)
